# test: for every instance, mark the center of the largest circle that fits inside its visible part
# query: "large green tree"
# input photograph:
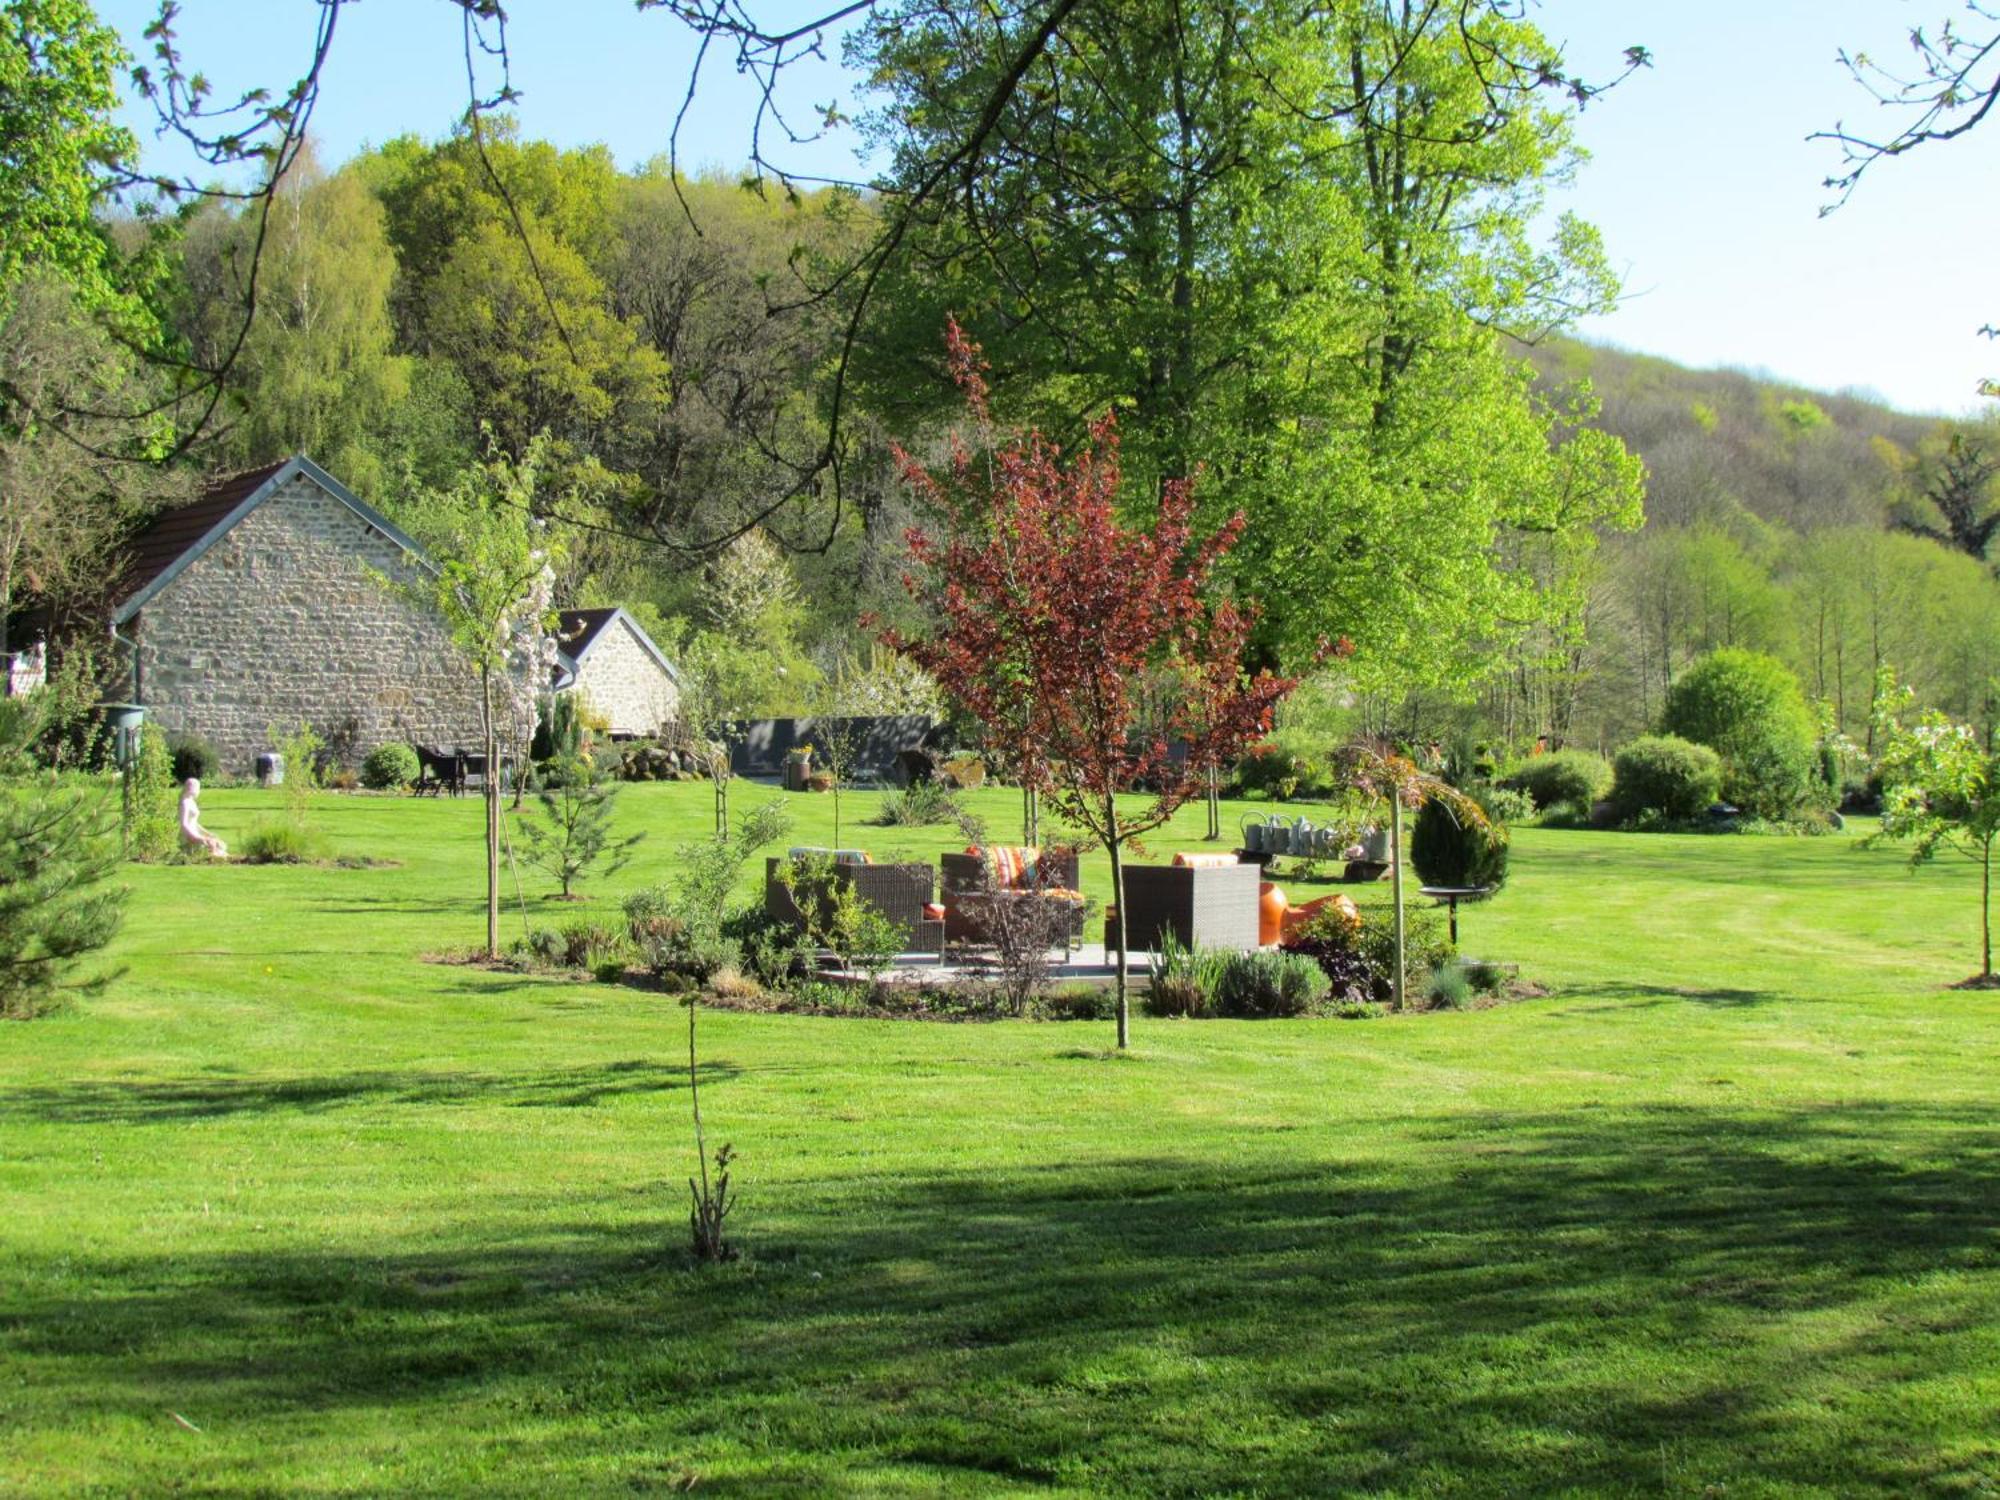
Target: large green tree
(318, 371)
(1286, 243)
(58, 65)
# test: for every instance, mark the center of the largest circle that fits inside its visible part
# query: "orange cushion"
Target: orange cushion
(1204, 861)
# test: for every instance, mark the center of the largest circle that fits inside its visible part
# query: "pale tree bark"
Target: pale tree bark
(490, 790)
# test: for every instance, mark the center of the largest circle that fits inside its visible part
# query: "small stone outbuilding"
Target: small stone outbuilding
(261, 605)
(614, 666)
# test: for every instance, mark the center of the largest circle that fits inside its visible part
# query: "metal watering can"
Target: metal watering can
(1304, 832)
(1253, 833)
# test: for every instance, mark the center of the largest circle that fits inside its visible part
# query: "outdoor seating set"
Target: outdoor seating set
(447, 770)
(1207, 900)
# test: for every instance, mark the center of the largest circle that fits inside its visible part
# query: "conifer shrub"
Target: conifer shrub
(1450, 847)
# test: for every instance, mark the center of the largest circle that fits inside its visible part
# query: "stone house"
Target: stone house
(261, 605)
(613, 664)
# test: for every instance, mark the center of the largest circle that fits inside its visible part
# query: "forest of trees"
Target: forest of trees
(1314, 272)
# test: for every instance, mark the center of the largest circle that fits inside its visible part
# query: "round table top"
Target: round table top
(1455, 892)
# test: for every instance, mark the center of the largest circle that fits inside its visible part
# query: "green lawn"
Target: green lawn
(290, 1210)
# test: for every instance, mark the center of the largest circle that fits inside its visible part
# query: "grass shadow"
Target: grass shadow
(1564, 1302)
(177, 1101)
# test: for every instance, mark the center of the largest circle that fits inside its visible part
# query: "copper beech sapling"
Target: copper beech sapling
(1096, 652)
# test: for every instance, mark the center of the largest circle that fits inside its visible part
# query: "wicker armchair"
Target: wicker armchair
(1210, 908)
(899, 892)
(968, 889)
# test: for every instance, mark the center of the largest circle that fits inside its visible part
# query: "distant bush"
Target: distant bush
(194, 758)
(390, 768)
(1561, 778)
(1267, 985)
(1665, 778)
(1273, 770)
(1450, 848)
(1748, 708)
(283, 844)
(1503, 804)
(919, 804)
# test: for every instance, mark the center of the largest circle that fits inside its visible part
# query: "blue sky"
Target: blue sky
(1701, 178)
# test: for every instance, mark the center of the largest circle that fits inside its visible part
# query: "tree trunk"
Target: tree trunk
(721, 804)
(1986, 910)
(1031, 816)
(694, 1103)
(1396, 888)
(1114, 848)
(1214, 804)
(491, 790)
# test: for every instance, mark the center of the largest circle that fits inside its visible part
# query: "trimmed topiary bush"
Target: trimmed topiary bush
(1561, 778)
(1449, 847)
(1749, 709)
(390, 768)
(1664, 777)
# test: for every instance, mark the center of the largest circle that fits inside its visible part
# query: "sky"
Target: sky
(1701, 176)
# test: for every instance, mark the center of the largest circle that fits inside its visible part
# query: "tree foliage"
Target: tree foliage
(1941, 793)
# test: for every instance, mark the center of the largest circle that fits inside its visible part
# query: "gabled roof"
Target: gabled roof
(157, 555)
(579, 630)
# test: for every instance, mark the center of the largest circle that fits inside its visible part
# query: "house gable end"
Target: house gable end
(274, 483)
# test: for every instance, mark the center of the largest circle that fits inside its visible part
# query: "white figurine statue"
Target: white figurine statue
(192, 833)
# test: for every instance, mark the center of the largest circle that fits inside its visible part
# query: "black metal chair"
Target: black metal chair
(438, 771)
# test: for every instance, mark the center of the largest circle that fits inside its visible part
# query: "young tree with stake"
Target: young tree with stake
(1053, 621)
(495, 571)
(1940, 791)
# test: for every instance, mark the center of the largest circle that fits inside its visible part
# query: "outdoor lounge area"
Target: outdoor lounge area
(950, 916)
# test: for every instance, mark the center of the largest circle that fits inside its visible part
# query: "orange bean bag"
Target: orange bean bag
(1298, 916)
(1271, 910)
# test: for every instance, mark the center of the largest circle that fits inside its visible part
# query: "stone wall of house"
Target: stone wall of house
(281, 622)
(623, 682)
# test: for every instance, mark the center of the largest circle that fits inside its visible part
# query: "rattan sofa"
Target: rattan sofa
(899, 892)
(1202, 908)
(968, 887)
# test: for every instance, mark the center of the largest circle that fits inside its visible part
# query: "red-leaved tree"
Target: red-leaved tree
(1089, 649)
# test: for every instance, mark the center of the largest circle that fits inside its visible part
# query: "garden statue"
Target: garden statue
(192, 833)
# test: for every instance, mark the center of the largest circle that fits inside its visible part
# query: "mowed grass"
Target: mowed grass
(290, 1210)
